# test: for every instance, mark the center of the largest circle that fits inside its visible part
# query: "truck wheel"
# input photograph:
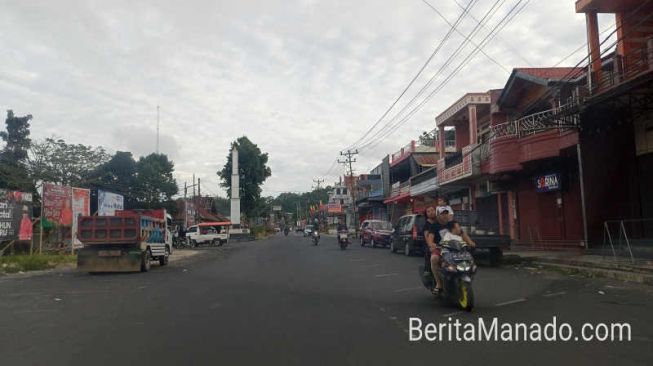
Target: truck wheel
(146, 257)
(215, 242)
(163, 260)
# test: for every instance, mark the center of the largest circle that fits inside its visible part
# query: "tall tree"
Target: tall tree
(56, 161)
(117, 175)
(13, 157)
(253, 171)
(155, 184)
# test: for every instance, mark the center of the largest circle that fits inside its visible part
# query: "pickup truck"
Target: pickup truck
(126, 242)
(487, 241)
(212, 233)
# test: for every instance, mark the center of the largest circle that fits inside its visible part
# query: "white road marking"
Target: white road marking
(510, 302)
(452, 314)
(386, 275)
(408, 289)
(555, 294)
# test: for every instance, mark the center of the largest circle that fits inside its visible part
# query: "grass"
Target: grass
(36, 262)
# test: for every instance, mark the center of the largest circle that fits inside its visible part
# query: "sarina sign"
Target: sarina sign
(548, 182)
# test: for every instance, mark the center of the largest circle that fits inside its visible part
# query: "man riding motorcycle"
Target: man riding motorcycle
(438, 224)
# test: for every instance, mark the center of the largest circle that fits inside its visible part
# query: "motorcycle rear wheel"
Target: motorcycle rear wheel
(465, 299)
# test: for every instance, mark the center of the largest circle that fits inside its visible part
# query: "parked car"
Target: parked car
(308, 229)
(376, 233)
(408, 236)
(213, 233)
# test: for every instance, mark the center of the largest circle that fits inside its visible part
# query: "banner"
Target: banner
(15, 215)
(109, 202)
(81, 206)
(57, 204)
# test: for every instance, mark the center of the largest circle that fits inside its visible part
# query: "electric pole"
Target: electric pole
(348, 162)
(318, 182)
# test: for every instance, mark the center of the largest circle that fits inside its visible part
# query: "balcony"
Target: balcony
(461, 165)
(537, 136)
(399, 192)
(618, 70)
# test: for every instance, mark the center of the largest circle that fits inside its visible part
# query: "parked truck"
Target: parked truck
(126, 242)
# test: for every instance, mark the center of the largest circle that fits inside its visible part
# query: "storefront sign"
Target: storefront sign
(547, 183)
(109, 202)
(334, 208)
(15, 215)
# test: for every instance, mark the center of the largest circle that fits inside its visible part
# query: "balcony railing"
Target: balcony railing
(561, 118)
(624, 68)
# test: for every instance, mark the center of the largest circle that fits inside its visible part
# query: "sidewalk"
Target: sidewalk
(588, 264)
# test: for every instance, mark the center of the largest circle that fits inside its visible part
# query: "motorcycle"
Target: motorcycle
(315, 236)
(286, 231)
(458, 269)
(343, 239)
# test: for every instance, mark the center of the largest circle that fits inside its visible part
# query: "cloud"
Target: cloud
(302, 79)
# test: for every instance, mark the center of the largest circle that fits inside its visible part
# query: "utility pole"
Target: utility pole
(199, 187)
(186, 186)
(348, 162)
(157, 130)
(318, 182)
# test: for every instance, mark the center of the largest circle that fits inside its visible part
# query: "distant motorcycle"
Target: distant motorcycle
(343, 239)
(286, 231)
(315, 236)
(458, 269)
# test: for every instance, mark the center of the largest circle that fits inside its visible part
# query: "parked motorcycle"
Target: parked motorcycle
(343, 239)
(458, 269)
(315, 236)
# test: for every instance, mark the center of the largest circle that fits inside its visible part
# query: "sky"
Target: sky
(303, 79)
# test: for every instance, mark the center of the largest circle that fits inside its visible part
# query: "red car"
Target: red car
(376, 233)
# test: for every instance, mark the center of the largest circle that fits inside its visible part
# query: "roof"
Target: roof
(426, 159)
(550, 73)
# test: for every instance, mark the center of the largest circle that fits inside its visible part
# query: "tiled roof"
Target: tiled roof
(552, 73)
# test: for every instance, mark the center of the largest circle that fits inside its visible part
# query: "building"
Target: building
(617, 121)
(409, 161)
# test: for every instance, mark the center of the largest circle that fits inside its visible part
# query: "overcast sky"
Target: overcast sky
(303, 79)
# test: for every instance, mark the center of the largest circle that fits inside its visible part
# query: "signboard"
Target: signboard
(57, 202)
(81, 206)
(547, 183)
(334, 208)
(108, 203)
(15, 215)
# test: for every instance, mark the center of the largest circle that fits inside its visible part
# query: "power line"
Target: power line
(470, 5)
(389, 127)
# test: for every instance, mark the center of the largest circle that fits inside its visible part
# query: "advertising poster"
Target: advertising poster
(109, 202)
(15, 215)
(81, 206)
(57, 204)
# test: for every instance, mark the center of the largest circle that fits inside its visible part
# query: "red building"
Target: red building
(617, 121)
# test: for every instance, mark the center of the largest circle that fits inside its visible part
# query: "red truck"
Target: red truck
(126, 242)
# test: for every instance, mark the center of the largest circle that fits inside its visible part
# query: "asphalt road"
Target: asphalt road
(283, 301)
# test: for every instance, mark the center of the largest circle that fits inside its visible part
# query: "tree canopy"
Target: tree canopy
(253, 171)
(13, 156)
(155, 184)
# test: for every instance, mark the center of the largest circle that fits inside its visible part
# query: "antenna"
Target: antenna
(157, 129)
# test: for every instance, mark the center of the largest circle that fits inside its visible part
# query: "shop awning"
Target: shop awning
(404, 196)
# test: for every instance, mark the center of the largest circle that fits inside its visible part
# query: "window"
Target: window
(344, 191)
(342, 202)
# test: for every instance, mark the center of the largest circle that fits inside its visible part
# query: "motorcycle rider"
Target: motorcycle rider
(438, 224)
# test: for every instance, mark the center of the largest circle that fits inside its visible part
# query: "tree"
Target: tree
(290, 202)
(117, 175)
(253, 171)
(155, 184)
(56, 161)
(13, 157)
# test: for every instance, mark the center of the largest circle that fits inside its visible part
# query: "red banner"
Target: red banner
(57, 204)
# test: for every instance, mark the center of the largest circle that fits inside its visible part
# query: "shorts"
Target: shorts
(437, 252)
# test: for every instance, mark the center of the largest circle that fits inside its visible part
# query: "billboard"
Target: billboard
(109, 202)
(547, 183)
(81, 206)
(57, 204)
(15, 215)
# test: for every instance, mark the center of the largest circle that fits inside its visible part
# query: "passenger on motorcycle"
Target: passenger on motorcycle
(439, 224)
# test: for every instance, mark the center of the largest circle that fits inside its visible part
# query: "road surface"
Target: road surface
(283, 301)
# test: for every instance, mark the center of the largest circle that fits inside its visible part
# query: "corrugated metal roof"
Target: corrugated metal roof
(426, 159)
